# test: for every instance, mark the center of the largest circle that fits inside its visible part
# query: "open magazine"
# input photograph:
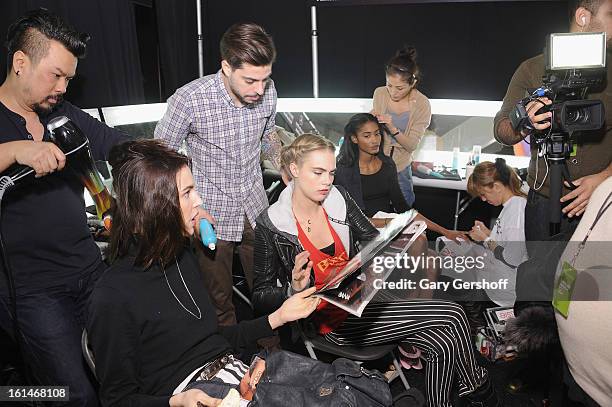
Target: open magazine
(353, 287)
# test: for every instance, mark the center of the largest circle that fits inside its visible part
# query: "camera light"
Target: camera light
(576, 51)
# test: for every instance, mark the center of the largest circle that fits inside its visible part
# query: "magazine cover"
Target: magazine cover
(353, 287)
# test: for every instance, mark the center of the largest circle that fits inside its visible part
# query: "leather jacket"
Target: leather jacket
(276, 243)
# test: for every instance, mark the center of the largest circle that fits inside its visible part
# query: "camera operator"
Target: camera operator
(591, 163)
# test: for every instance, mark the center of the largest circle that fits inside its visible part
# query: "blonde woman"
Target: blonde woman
(315, 224)
(498, 184)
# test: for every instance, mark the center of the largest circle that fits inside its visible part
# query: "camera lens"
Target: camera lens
(580, 115)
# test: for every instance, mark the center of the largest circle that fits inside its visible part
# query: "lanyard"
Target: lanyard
(607, 203)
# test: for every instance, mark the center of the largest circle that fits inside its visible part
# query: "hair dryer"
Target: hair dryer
(71, 140)
(75, 145)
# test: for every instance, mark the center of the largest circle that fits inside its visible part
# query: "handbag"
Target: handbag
(295, 380)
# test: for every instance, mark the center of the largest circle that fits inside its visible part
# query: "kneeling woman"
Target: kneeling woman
(498, 184)
(314, 224)
(152, 326)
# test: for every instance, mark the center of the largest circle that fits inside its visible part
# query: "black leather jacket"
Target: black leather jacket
(275, 251)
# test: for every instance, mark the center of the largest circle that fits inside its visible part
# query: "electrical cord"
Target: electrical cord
(5, 183)
(540, 142)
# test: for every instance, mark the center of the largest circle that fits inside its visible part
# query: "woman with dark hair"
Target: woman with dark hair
(152, 326)
(498, 184)
(370, 176)
(366, 172)
(404, 111)
(315, 225)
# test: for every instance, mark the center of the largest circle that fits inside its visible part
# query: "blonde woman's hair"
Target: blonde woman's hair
(301, 146)
(486, 173)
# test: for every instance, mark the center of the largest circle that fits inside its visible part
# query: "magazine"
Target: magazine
(353, 287)
(496, 319)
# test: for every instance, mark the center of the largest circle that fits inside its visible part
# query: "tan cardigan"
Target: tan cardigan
(586, 333)
(420, 117)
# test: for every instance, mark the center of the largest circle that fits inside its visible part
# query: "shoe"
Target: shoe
(410, 357)
(410, 351)
(484, 396)
(411, 363)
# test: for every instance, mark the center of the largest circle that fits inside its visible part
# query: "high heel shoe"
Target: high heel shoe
(410, 351)
(410, 358)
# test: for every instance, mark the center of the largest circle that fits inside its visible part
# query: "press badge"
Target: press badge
(562, 295)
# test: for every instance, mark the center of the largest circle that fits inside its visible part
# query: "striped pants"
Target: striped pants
(439, 328)
(231, 375)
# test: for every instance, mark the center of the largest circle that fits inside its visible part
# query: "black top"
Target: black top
(43, 220)
(376, 192)
(329, 250)
(145, 343)
(381, 192)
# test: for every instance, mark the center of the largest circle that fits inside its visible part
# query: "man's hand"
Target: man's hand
(539, 121)
(44, 157)
(203, 214)
(581, 195)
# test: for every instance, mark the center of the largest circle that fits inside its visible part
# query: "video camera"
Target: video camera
(575, 64)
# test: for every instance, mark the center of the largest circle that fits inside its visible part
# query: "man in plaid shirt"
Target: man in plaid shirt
(227, 120)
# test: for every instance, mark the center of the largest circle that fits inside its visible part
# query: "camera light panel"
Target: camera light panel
(577, 50)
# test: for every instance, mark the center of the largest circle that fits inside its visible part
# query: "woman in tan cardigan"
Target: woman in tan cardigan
(405, 111)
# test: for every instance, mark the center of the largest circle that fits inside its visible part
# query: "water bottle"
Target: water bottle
(428, 171)
(476, 150)
(207, 234)
(455, 163)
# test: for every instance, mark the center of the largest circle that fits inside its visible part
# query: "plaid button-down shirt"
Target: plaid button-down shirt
(224, 142)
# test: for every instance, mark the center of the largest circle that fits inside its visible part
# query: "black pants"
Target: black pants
(51, 322)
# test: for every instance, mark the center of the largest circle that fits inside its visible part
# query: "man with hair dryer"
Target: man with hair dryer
(52, 256)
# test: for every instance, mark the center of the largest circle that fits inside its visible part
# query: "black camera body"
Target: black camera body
(575, 65)
(571, 111)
